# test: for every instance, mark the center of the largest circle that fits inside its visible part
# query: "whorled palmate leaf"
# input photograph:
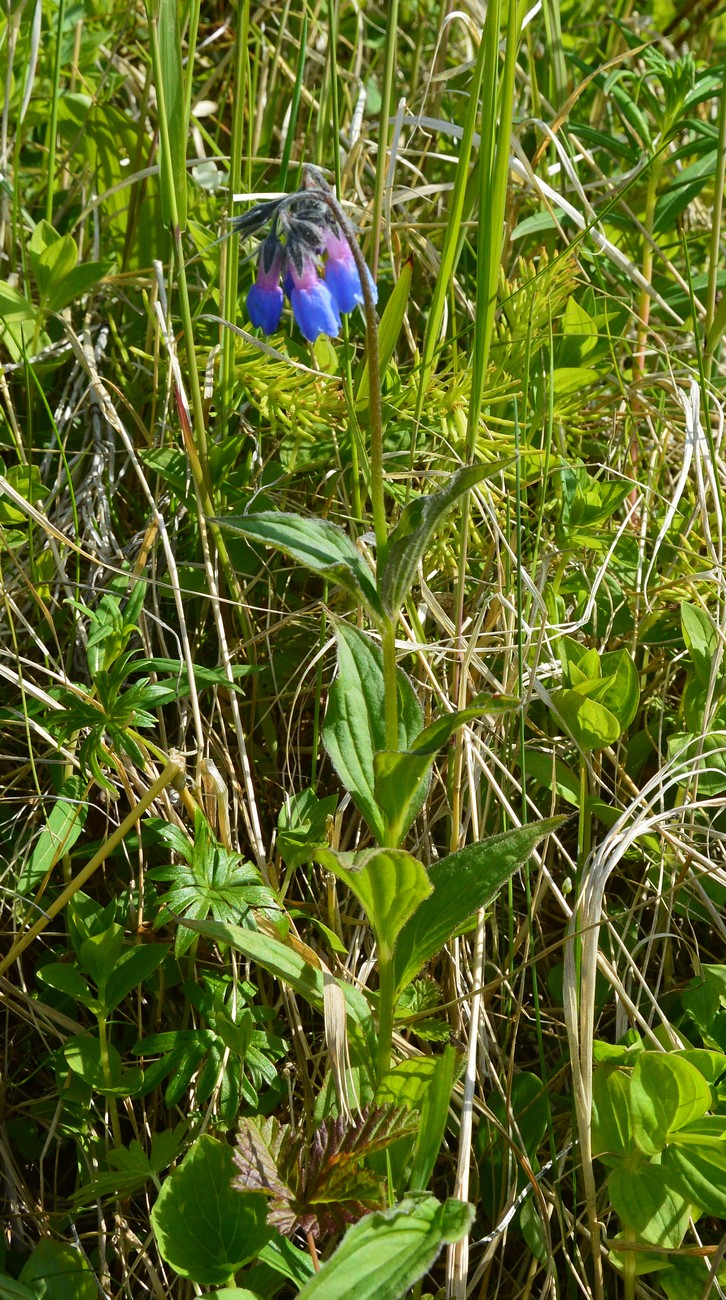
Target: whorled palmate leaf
(301, 826)
(128, 1169)
(108, 715)
(318, 1183)
(211, 880)
(231, 1052)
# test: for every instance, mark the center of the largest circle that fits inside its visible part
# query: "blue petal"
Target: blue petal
(264, 307)
(343, 281)
(315, 311)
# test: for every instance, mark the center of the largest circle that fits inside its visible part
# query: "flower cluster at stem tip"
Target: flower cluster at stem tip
(304, 228)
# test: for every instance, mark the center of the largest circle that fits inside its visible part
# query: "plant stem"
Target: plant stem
(106, 1067)
(386, 1008)
(584, 833)
(630, 1261)
(235, 169)
(313, 1251)
(195, 437)
(386, 97)
(388, 631)
(647, 264)
(374, 371)
(714, 260)
(390, 684)
(53, 124)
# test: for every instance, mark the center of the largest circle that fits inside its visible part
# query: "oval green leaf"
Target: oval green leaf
(204, 1228)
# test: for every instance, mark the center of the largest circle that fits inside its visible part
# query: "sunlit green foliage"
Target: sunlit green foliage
(430, 929)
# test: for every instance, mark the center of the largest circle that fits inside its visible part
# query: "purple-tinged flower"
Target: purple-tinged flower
(341, 274)
(305, 227)
(264, 299)
(312, 304)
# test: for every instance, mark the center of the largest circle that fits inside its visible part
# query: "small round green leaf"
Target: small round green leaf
(666, 1093)
(590, 723)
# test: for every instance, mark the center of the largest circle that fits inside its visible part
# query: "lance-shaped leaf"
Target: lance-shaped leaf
(400, 779)
(170, 95)
(354, 730)
(463, 882)
(65, 823)
(388, 331)
(292, 963)
(416, 526)
(423, 1083)
(317, 543)
(381, 1257)
(400, 783)
(389, 885)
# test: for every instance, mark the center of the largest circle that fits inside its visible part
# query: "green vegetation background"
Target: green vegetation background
(540, 200)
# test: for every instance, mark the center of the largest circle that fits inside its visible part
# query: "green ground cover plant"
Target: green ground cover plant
(364, 705)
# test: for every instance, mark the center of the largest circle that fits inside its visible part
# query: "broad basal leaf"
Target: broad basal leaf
(648, 1202)
(55, 1271)
(699, 1173)
(317, 1183)
(591, 724)
(666, 1093)
(701, 637)
(203, 1227)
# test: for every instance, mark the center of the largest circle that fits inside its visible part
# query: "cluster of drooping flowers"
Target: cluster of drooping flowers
(304, 229)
